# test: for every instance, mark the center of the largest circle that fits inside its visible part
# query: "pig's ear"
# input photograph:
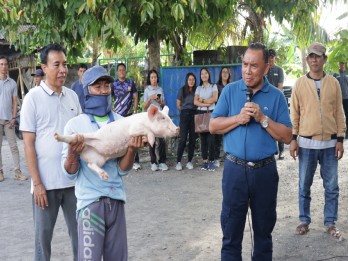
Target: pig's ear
(152, 111)
(165, 110)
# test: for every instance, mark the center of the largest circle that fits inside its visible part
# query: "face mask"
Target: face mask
(98, 105)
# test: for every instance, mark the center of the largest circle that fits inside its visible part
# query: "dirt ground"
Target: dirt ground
(175, 216)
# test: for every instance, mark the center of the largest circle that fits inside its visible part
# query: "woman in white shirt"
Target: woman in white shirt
(206, 96)
(153, 94)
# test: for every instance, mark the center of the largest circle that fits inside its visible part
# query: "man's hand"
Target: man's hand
(76, 146)
(293, 149)
(339, 150)
(40, 196)
(138, 142)
(11, 123)
(253, 110)
(71, 163)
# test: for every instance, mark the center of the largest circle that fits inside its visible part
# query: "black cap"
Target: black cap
(38, 72)
(272, 52)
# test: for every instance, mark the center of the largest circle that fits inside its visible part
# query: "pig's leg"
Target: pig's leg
(65, 138)
(102, 173)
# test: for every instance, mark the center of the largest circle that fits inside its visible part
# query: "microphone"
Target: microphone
(249, 94)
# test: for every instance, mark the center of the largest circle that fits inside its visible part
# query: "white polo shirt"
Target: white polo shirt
(44, 112)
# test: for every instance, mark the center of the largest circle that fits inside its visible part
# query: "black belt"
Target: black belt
(333, 137)
(250, 164)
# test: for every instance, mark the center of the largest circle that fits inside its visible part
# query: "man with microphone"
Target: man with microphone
(251, 126)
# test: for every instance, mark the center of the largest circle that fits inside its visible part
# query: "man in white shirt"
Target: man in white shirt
(46, 110)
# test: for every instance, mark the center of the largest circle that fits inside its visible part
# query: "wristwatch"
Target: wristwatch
(265, 122)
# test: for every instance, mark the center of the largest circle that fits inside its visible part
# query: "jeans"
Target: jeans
(187, 128)
(280, 148)
(308, 160)
(218, 142)
(345, 108)
(161, 151)
(11, 139)
(243, 187)
(45, 220)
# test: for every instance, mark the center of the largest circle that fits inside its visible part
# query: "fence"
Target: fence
(173, 78)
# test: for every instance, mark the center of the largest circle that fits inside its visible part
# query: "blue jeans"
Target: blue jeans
(243, 187)
(308, 161)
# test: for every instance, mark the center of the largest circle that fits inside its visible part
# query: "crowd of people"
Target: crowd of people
(250, 115)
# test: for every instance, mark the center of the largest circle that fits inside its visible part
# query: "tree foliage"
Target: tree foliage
(29, 24)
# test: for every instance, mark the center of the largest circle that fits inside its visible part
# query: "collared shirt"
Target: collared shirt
(123, 93)
(78, 88)
(8, 89)
(251, 142)
(89, 186)
(187, 103)
(45, 112)
(153, 90)
(206, 93)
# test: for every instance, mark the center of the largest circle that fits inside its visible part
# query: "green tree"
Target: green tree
(29, 24)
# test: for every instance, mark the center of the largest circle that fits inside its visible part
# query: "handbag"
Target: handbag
(202, 122)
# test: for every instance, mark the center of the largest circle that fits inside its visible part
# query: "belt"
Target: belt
(250, 164)
(333, 137)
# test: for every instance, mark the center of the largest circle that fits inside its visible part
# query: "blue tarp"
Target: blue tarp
(173, 78)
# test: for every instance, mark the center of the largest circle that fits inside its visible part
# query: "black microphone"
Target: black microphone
(249, 94)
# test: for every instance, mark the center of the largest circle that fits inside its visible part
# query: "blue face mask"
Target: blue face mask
(98, 105)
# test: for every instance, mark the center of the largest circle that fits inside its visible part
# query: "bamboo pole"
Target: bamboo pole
(21, 81)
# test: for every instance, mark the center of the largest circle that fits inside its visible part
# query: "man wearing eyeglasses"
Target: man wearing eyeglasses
(318, 131)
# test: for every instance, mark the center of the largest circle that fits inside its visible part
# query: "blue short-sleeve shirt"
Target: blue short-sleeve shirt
(251, 142)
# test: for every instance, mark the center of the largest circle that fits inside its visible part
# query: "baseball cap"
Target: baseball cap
(95, 73)
(272, 52)
(38, 72)
(317, 48)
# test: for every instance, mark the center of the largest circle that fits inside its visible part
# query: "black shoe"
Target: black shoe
(281, 157)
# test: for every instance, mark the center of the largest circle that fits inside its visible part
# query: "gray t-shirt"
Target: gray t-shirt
(187, 103)
(153, 90)
(206, 93)
(275, 75)
(8, 89)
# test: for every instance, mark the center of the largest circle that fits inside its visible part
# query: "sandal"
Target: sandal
(334, 232)
(302, 229)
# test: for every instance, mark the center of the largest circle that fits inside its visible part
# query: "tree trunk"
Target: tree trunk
(154, 53)
(304, 62)
(179, 44)
(95, 55)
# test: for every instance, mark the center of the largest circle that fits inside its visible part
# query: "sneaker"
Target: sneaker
(189, 165)
(216, 163)
(178, 166)
(154, 167)
(1, 175)
(19, 175)
(136, 166)
(162, 166)
(211, 166)
(281, 157)
(204, 166)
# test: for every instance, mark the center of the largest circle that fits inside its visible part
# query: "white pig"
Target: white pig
(111, 141)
